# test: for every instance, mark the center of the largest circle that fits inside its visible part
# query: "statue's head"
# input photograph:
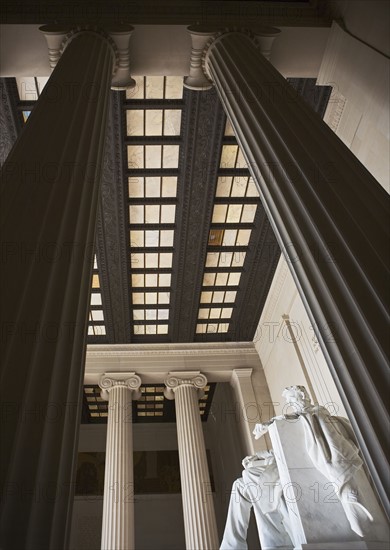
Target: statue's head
(298, 395)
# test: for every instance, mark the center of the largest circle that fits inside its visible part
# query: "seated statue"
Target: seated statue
(331, 446)
(260, 488)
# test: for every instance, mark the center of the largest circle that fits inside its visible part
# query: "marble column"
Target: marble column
(198, 506)
(50, 184)
(330, 217)
(119, 389)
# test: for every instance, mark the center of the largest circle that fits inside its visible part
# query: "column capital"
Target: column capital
(111, 380)
(117, 37)
(179, 379)
(202, 39)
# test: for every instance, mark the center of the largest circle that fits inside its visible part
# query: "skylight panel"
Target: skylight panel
(229, 156)
(135, 122)
(237, 186)
(96, 324)
(153, 144)
(173, 87)
(169, 186)
(154, 88)
(172, 121)
(235, 204)
(153, 122)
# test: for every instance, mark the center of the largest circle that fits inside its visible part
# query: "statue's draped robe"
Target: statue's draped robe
(334, 453)
(259, 487)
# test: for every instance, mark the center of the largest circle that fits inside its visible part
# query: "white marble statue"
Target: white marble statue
(330, 443)
(260, 488)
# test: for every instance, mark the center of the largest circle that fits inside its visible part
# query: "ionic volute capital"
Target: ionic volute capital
(112, 380)
(176, 380)
(264, 39)
(203, 38)
(118, 38)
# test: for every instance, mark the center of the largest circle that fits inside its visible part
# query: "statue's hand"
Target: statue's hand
(261, 429)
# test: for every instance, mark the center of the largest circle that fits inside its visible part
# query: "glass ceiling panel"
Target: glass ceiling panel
(96, 325)
(232, 157)
(152, 120)
(229, 128)
(239, 186)
(156, 87)
(234, 205)
(152, 187)
(152, 156)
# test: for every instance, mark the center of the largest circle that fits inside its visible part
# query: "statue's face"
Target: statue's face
(296, 398)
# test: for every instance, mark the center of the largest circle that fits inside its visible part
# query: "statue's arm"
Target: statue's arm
(262, 428)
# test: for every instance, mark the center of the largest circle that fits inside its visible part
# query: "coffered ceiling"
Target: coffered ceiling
(184, 250)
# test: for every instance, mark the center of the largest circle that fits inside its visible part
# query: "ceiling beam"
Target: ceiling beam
(11, 121)
(112, 233)
(203, 129)
(172, 12)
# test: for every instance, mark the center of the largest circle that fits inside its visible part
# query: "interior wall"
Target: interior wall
(223, 438)
(288, 349)
(367, 20)
(358, 110)
(154, 514)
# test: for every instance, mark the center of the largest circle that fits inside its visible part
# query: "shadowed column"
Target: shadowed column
(50, 183)
(329, 215)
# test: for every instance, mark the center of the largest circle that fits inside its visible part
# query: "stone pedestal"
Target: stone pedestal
(198, 506)
(317, 517)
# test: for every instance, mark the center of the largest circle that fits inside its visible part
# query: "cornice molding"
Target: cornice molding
(193, 349)
(154, 362)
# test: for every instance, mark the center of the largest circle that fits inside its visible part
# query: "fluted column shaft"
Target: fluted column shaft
(198, 506)
(331, 219)
(50, 184)
(118, 499)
